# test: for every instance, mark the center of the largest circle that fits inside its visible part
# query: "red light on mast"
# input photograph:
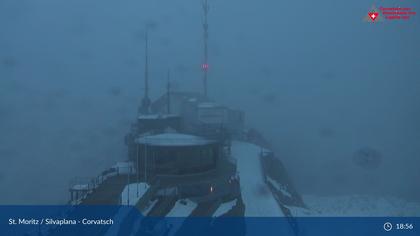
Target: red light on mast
(205, 66)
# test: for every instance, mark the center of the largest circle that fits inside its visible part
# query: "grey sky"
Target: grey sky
(315, 78)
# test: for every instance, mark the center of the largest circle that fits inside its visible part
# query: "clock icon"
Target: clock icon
(387, 226)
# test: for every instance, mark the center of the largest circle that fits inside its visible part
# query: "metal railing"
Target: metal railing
(85, 185)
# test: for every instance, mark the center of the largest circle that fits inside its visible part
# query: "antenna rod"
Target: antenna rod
(145, 103)
(168, 95)
(146, 69)
(205, 66)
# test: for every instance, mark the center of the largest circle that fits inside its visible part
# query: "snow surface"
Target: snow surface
(173, 139)
(182, 208)
(279, 187)
(356, 205)
(208, 105)
(258, 199)
(149, 207)
(129, 195)
(124, 167)
(80, 187)
(181, 211)
(224, 207)
(156, 116)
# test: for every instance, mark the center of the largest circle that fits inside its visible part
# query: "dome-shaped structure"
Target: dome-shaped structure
(176, 154)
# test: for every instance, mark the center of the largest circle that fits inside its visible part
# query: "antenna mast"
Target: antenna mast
(145, 103)
(168, 94)
(205, 65)
(146, 68)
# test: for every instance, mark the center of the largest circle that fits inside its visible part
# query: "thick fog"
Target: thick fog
(339, 98)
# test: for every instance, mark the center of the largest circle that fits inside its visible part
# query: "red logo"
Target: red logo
(373, 15)
(389, 13)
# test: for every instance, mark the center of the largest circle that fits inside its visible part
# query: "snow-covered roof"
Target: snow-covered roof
(173, 139)
(80, 187)
(192, 99)
(155, 116)
(208, 105)
(124, 167)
